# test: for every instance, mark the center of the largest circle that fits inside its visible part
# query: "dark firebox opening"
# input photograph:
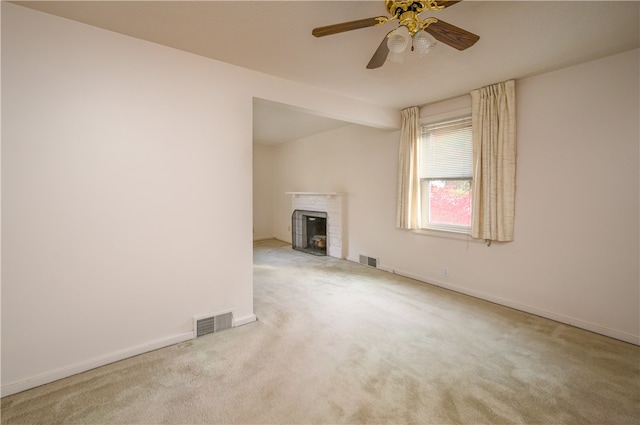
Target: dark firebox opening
(309, 231)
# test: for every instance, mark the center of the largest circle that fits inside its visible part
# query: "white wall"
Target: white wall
(575, 257)
(262, 192)
(126, 192)
(112, 182)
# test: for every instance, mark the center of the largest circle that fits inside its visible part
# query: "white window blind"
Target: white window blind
(446, 151)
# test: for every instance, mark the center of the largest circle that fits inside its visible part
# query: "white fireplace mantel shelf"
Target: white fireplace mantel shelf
(328, 194)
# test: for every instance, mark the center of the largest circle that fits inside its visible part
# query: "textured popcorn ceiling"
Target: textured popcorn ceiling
(517, 39)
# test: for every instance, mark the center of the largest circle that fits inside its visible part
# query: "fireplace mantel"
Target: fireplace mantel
(327, 194)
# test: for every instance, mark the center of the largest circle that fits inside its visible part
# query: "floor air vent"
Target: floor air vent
(368, 261)
(208, 324)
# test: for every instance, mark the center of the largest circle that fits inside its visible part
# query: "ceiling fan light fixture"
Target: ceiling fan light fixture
(423, 43)
(410, 31)
(396, 57)
(399, 40)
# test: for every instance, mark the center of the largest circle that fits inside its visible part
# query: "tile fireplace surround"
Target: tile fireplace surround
(333, 203)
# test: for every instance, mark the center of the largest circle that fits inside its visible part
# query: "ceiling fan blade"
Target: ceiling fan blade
(446, 3)
(347, 26)
(452, 35)
(380, 56)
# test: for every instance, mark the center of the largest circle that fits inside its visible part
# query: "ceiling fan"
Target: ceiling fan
(412, 29)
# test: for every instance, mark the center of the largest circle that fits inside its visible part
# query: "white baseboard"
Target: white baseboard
(65, 372)
(263, 238)
(612, 333)
(244, 320)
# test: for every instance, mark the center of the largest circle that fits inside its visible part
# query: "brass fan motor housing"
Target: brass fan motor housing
(407, 11)
(398, 7)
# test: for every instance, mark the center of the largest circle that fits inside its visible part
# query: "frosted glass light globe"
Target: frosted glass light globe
(423, 43)
(399, 40)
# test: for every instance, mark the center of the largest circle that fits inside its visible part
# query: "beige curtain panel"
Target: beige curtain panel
(494, 161)
(408, 205)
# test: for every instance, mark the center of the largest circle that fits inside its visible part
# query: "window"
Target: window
(446, 175)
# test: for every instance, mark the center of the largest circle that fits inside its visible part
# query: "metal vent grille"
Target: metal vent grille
(223, 321)
(369, 261)
(210, 324)
(205, 326)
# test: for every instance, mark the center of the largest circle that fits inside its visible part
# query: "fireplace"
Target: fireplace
(309, 231)
(333, 205)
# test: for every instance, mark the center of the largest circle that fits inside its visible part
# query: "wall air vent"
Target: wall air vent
(369, 261)
(204, 325)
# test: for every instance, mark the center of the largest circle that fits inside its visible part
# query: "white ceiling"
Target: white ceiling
(275, 123)
(518, 39)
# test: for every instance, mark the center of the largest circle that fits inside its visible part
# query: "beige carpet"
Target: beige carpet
(337, 342)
